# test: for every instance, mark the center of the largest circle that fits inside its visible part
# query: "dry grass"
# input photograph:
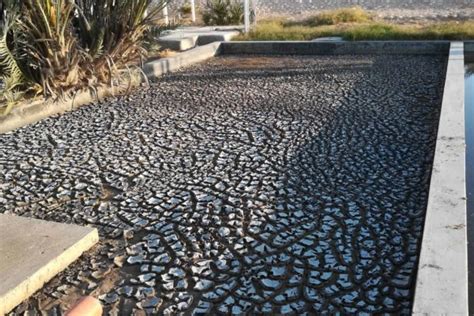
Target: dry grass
(158, 53)
(435, 31)
(275, 30)
(333, 17)
(356, 24)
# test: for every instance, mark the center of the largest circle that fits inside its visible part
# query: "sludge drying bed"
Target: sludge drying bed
(245, 184)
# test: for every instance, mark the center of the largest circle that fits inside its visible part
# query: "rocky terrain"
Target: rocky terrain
(269, 185)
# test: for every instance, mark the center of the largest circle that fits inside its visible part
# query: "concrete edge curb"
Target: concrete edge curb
(160, 67)
(442, 279)
(335, 48)
(28, 287)
(41, 109)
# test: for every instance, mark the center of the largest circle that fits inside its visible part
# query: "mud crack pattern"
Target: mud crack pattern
(278, 185)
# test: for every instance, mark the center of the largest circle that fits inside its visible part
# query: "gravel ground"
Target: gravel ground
(242, 185)
(391, 15)
(396, 14)
(426, 14)
(393, 10)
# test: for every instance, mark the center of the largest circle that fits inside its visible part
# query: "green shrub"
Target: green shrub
(223, 12)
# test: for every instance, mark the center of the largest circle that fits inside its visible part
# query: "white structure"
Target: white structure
(442, 280)
(165, 14)
(246, 16)
(193, 11)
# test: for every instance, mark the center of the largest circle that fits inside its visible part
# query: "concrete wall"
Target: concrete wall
(469, 47)
(335, 48)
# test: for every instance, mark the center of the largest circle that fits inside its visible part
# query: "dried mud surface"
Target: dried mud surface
(276, 185)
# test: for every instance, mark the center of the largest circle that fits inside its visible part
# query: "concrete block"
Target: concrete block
(159, 67)
(224, 36)
(33, 251)
(178, 43)
(185, 38)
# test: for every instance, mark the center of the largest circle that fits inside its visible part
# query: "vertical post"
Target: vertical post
(193, 11)
(246, 16)
(165, 14)
(254, 13)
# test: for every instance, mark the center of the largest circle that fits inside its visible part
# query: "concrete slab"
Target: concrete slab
(33, 251)
(441, 285)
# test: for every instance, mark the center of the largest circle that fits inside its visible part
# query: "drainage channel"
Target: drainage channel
(469, 115)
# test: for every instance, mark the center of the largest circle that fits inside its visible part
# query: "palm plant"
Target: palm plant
(49, 54)
(112, 30)
(236, 13)
(54, 47)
